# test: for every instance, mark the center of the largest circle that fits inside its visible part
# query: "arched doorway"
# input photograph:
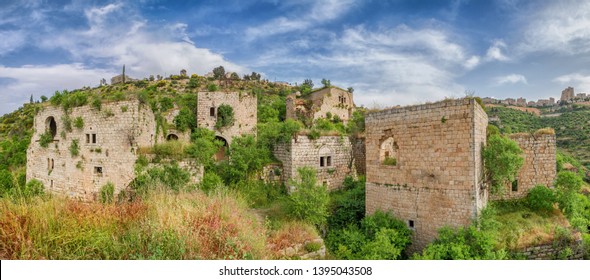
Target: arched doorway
(172, 137)
(51, 126)
(222, 152)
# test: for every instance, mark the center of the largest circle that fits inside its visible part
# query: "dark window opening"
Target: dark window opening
(328, 161)
(411, 223)
(93, 138)
(325, 183)
(98, 170)
(172, 137)
(321, 161)
(51, 184)
(325, 161)
(212, 111)
(87, 138)
(51, 126)
(52, 164)
(515, 186)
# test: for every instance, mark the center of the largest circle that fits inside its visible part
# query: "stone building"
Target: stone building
(539, 166)
(244, 106)
(331, 156)
(79, 162)
(567, 94)
(424, 165)
(321, 103)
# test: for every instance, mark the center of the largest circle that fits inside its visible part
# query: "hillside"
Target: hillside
(572, 127)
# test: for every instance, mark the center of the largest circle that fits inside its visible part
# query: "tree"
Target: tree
(225, 116)
(309, 201)
(350, 89)
(326, 83)
(235, 76)
(502, 159)
(308, 83)
(219, 73)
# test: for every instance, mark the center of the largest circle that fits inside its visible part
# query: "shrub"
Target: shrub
(203, 146)
(33, 188)
(185, 120)
(462, 244)
(540, 198)
(502, 160)
(79, 122)
(309, 202)
(96, 103)
(107, 193)
(210, 182)
(347, 205)
(225, 116)
(45, 138)
(6, 181)
(312, 246)
(568, 185)
(67, 121)
(212, 87)
(75, 148)
(390, 161)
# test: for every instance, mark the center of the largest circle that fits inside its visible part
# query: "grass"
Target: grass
(520, 227)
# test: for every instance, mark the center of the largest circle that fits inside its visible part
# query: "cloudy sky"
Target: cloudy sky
(391, 52)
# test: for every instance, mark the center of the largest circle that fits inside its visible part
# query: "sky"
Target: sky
(398, 52)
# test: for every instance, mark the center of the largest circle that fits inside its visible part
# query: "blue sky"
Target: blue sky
(392, 52)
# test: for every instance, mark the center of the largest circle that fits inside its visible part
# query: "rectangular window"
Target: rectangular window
(212, 111)
(321, 161)
(411, 224)
(515, 186)
(98, 170)
(328, 161)
(93, 138)
(87, 138)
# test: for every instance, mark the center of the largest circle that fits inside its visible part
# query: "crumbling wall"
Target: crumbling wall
(424, 165)
(244, 106)
(539, 167)
(331, 156)
(107, 144)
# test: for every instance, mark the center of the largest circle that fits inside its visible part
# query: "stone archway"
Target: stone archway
(51, 126)
(172, 137)
(222, 152)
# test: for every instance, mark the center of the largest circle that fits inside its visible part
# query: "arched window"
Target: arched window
(172, 137)
(325, 156)
(51, 126)
(388, 152)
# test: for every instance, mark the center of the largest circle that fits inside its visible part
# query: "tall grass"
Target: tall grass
(159, 226)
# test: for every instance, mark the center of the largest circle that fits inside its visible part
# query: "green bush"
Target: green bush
(6, 182)
(540, 198)
(212, 87)
(502, 160)
(67, 121)
(258, 193)
(75, 148)
(185, 120)
(568, 184)
(347, 205)
(225, 116)
(107, 193)
(247, 159)
(203, 146)
(210, 182)
(79, 123)
(312, 246)
(45, 139)
(390, 161)
(309, 201)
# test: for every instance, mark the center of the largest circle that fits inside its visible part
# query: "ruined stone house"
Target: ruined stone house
(330, 101)
(79, 161)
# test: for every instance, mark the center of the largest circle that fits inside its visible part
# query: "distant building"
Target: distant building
(567, 94)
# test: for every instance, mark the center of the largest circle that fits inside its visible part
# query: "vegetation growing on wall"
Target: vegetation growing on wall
(502, 159)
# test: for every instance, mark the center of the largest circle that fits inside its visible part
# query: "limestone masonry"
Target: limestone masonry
(332, 100)
(424, 164)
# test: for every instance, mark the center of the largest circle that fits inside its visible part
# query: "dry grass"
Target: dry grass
(290, 234)
(545, 131)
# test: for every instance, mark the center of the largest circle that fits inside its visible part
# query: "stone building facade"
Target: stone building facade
(424, 165)
(567, 94)
(107, 147)
(539, 166)
(331, 156)
(245, 108)
(332, 100)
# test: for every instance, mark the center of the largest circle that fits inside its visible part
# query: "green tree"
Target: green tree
(502, 160)
(219, 73)
(309, 201)
(247, 158)
(225, 116)
(568, 185)
(203, 146)
(326, 83)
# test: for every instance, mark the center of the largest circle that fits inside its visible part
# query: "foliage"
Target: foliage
(212, 87)
(357, 123)
(309, 201)
(326, 83)
(7, 182)
(225, 116)
(219, 73)
(390, 161)
(462, 244)
(169, 150)
(185, 120)
(502, 160)
(203, 146)
(75, 148)
(492, 130)
(568, 184)
(79, 122)
(169, 176)
(67, 122)
(379, 236)
(540, 198)
(347, 206)
(247, 158)
(210, 182)
(258, 193)
(107, 193)
(45, 138)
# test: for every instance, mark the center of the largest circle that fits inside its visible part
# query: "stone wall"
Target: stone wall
(331, 156)
(539, 164)
(424, 164)
(245, 110)
(551, 251)
(359, 154)
(107, 143)
(333, 100)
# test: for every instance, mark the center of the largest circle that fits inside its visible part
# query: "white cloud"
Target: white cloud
(576, 80)
(511, 79)
(495, 52)
(319, 12)
(561, 27)
(11, 40)
(39, 80)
